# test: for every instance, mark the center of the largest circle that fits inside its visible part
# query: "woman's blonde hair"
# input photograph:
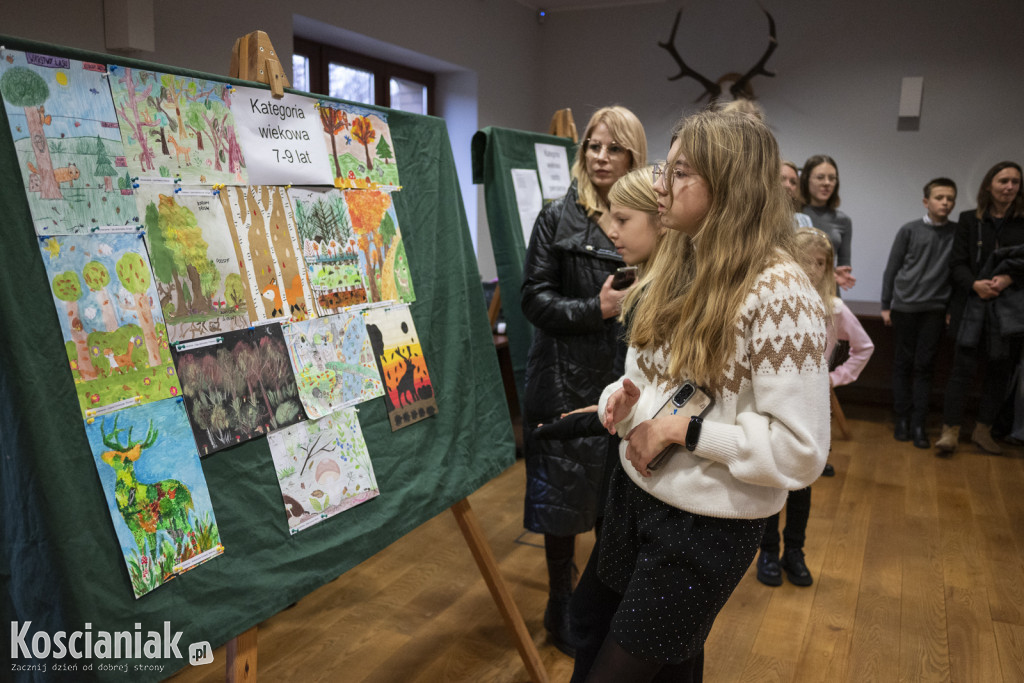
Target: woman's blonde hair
(811, 240)
(625, 129)
(695, 288)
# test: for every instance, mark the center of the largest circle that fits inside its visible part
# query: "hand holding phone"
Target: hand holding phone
(624, 277)
(687, 401)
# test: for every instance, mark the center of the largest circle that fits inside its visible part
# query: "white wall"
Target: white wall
(839, 68)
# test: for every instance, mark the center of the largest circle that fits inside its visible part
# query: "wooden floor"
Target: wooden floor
(918, 565)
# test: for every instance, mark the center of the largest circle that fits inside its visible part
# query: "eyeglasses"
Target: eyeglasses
(613, 148)
(657, 171)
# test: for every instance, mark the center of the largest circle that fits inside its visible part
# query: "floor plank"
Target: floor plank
(917, 564)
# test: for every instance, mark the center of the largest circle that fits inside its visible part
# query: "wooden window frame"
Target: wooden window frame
(321, 55)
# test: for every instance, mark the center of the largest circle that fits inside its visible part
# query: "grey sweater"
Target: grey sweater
(917, 275)
(837, 225)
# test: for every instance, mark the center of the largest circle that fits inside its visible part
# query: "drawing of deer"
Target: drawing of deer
(147, 507)
(179, 150)
(406, 383)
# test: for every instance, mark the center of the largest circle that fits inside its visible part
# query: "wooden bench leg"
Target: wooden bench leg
(241, 650)
(840, 417)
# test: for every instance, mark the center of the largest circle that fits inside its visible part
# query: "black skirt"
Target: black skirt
(674, 569)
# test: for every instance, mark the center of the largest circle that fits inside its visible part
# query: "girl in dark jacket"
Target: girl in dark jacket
(568, 297)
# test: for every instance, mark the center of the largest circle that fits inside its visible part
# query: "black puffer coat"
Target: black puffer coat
(570, 363)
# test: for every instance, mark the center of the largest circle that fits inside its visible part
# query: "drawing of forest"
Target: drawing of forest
(333, 362)
(328, 242)
(378, 242)
(360, 148)
(267, 249)
(68, 145)
(323, 468)
(114, 334)
(240, 388)
(197, 274)
(156, 492)
(408, 392)
(177, 126)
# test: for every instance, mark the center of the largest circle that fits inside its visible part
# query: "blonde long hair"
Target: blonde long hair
(808, 241)
(625, 129)
(635, 190)
(695, 288)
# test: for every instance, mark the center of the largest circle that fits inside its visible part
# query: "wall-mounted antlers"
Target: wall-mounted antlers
(740, 87)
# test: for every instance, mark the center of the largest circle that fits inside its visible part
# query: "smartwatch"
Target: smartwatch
(693, 432)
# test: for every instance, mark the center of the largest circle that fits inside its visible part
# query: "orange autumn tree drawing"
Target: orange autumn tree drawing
(334, 121)
(366, 209)
(363, 133)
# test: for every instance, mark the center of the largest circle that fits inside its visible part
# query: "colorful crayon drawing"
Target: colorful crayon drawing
(114, 333)
(408, 393)
(328, 243)
(156, 492)
(268, 252)
(69, 149)
(378, 242)
(360, 148)
(323, 468)
(201, 288)
(237, 386)
(177, 126)
(333, 362)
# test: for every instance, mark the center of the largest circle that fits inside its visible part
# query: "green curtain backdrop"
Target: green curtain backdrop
(60, 562)
(496, 151)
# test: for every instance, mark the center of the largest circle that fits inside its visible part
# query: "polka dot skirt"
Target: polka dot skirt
(674, 569)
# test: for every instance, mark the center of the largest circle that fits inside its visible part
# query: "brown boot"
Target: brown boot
(982, 436)
(946, 444)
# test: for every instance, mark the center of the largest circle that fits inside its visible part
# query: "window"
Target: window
(328, 70)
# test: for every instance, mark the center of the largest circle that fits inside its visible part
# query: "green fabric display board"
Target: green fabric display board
(61, 566)
(496, 151)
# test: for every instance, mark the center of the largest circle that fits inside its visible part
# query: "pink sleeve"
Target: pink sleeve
(849, 328)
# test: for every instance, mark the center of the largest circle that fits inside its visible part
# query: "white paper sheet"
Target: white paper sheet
(282, 140)
(553, 167)
(528, 198)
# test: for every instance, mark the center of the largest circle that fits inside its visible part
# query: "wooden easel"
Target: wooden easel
(253, 58)
(242, 649)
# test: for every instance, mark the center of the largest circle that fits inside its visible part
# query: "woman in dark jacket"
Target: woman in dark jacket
(568, 297)
(998, 222)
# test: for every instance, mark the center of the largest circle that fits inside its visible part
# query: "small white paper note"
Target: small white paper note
(528, 199)
(553, 167)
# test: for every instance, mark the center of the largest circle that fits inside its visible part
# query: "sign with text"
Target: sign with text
(553, 167)
(282, 139)
(528, 199)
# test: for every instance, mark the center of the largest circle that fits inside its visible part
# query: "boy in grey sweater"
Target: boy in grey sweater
(915, 294)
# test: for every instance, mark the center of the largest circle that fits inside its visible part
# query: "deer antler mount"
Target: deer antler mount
(740, 88)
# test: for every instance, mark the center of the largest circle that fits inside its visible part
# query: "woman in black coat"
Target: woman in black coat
(997, 223)
(568, 297)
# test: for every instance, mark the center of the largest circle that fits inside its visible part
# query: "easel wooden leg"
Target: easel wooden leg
(837, 413)
(241, 666)
(484, 557)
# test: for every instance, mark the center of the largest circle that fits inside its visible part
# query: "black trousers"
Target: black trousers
(995, 381)
(917, 336)
(798, 510)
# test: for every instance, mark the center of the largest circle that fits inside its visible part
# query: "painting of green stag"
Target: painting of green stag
(156, 492)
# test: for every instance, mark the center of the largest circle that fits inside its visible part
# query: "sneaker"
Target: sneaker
(768, 571)
(795, 568)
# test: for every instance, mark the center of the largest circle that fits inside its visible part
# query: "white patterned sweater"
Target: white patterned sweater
(768, 429)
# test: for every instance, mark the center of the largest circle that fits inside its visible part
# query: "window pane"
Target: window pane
(350, 84)
(300, 72)
(408, 96)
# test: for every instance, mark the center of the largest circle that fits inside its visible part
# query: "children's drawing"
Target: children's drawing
(238, 386)
(268, 252)
(360, 147)
(197, 275)
(323, 468)
(378, 242)
(333, 362)
(328, 242)
(69, 149)
(114, 333)
(156, 492)
(177, 126)
(408, 393)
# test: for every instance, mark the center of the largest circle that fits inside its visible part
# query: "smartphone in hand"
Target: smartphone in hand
(688, 400)
(624, 277)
